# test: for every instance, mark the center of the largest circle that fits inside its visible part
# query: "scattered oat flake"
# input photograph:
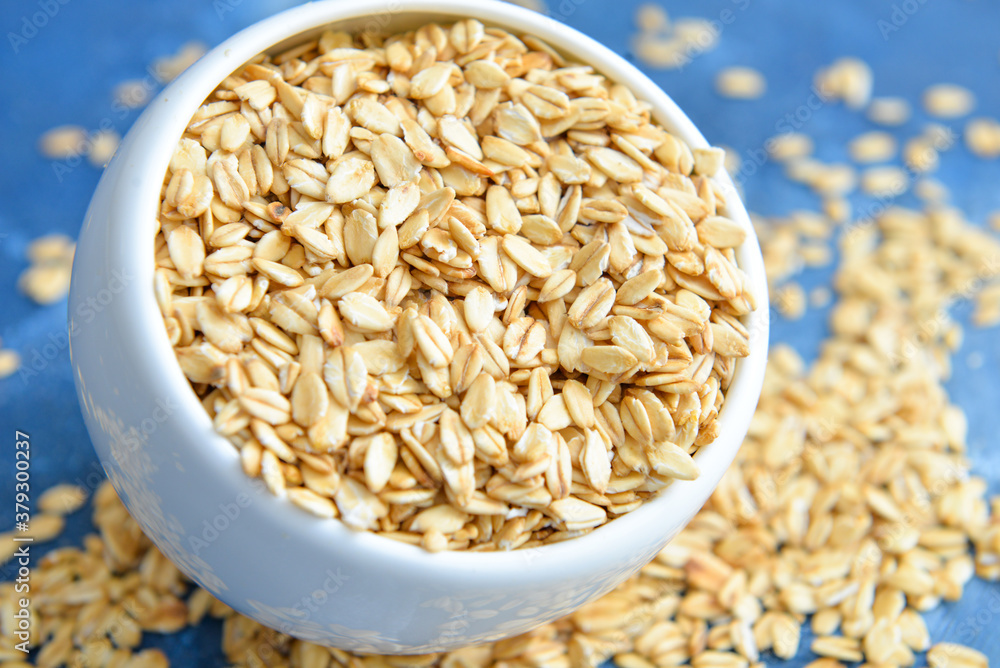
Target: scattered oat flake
(51, 248)
(847, 79)
(662, 52)
(833, 180)
(671, 45)
(168, 68)
(65, 141)
(890, 111)
(885, 181)
(45, 283)
(133, 94)
(62, 499)
(987, 306)
(875, 146)
(837, 209)
(820, 297)
(10, 362)
(931, 190)
(920, 155)
(741, 83)
(651, 17)
(804, 170)
(789, 146)
(941, 137)
(700, 34)
(816, 255)
(47, 279)
(790, 300)
(982, 136)
(103, 145)
(948, 100)
(954, 655)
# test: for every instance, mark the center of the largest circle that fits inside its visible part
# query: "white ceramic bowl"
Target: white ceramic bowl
(317, 579)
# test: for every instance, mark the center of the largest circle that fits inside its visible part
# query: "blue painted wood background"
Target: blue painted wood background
(66, 56)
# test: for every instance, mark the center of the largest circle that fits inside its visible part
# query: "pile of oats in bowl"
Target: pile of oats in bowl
(448, 287)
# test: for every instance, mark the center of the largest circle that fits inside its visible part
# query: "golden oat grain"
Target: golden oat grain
(889, 111)
(948, 100)
(790, 300)
(168, 68)
(651, 17)
(741, 83)
(102, 147)
(671, 45)
(847, 79)
(789, 146)
(132, 93)
(931, 190)
(873, 146)
(820, 297)
(65, 141)
(10, 362)
(885, 181)
(920, 155)
(47, 279)
(62, 499)
(982, 136)
(953, 655)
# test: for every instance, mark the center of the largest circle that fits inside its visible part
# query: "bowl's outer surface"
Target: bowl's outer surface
(267, 559)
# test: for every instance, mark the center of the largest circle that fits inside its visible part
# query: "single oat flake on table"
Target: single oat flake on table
(447, 286)
(47, 279)
(742, 83)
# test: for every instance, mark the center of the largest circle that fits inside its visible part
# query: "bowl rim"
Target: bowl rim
(182, 97)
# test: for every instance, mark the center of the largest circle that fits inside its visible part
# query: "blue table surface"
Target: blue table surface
(64, 72)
